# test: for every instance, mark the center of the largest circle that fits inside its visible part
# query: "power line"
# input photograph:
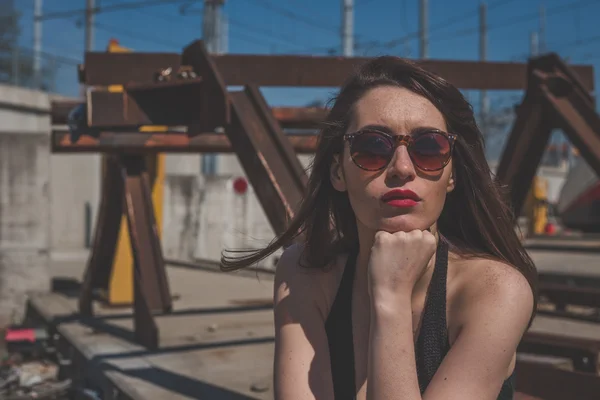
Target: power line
(135, 35)
(111, 8)
(265, 32)
(168, 18)
(470, 31)
(51, 56)
(517, 20)
(440, 26)
(143, 37)
(415, 34)
(580, 42)
(295, 16)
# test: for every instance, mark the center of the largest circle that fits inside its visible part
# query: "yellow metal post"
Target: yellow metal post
(120, 289)
(536, 206)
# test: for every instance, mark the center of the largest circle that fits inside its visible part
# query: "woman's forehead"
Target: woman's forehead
(397, 108)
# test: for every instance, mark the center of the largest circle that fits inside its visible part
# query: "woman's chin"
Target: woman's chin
(403, 223)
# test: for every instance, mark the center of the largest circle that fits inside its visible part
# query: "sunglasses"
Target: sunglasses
(373, 150)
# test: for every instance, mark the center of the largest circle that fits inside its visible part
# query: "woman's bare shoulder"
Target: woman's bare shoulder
(480, 282)
(304, 285)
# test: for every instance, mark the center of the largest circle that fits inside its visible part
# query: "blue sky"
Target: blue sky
(312, 27)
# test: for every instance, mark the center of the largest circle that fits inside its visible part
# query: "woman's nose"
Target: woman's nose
(401, 165)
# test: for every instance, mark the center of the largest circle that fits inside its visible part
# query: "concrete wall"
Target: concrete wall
(204, 215)
(24, 198)
(181, 205)
(42, 198)
(75, 186)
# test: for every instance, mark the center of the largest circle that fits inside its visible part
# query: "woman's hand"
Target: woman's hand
(397, 261)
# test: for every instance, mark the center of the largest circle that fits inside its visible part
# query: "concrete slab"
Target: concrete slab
(217, 343)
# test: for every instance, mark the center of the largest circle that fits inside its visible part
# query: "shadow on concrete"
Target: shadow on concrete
(101, 324)
(267, 306)
(177, 383)
(184, 348)
(68, 287)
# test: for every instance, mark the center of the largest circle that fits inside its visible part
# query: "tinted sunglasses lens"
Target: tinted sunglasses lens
(431, 151)
(371, 150)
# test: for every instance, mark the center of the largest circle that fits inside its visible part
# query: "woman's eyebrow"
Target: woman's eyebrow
(377, 127)
(388, 130)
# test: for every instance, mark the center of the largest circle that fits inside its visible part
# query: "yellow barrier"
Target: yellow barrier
(120, 287)
(536, 207)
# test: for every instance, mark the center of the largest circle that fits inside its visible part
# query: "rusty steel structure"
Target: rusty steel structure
(556, 98)
(189, 93)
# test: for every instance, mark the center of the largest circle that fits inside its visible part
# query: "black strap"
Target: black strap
(339, 335)
(432, 342)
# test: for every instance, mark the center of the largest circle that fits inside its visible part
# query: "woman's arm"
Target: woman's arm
(302, 367)
(493, 312)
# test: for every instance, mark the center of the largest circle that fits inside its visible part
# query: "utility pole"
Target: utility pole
(534, 44)
(212, 24)
(423, 29)
(208, 22)
(214, 35)
(485, 104)
(90, 13)
(16, 64)
(348, 28)
(542, 38)
(223, 34)
(37, 43)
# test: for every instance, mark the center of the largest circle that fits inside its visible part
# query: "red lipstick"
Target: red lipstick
(401, 198)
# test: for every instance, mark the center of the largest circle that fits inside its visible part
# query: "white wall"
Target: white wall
(24, 198)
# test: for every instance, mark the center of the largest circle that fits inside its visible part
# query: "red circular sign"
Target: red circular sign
(240, 185)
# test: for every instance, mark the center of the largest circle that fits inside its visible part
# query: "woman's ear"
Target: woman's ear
(451, 181)
(336, 174)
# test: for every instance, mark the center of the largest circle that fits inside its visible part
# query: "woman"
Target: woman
(407, 280)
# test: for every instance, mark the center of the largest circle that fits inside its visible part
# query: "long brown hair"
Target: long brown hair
(476, 220)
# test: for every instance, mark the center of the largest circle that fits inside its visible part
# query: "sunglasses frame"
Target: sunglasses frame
(399, 140)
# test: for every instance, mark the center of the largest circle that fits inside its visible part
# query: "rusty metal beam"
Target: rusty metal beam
(104, 69)
(115, 110)
(151, 290)
(288, 117)
(214, 110)
(562, 295)
(267, 157)
(98, 271)
(283, 70)
(175, 103)
(300, 117)
(125, 186)
(550, 383)
(60, 109)
(173, 142)
(583, 352)
(524, 149)
(578, 119)
(166, 103)
(121, 111)
(555, 98)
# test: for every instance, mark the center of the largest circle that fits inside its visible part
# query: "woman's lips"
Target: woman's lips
(401, 198)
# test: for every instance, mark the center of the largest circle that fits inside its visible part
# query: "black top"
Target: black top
(432, 343)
